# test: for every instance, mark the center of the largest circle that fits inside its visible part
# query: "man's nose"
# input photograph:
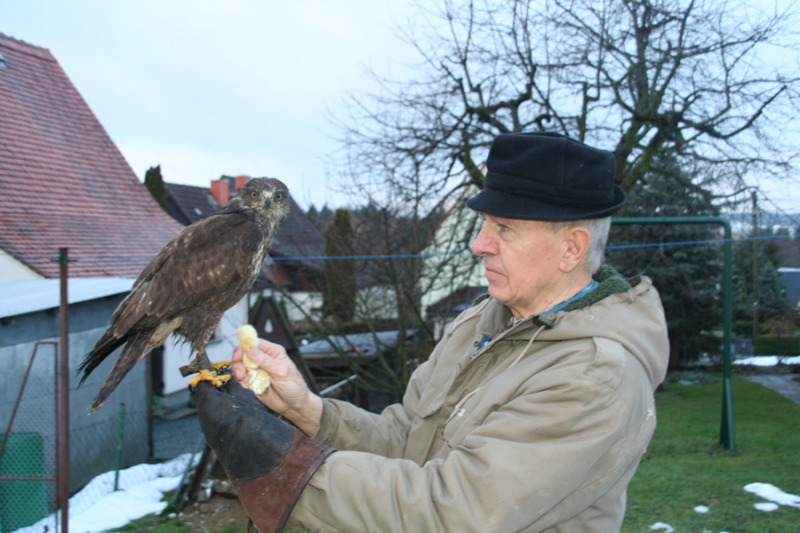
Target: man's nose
(482, 245)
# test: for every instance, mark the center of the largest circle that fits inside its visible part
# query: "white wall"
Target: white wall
(11, 268)
(177, 354)
(451, 266)
(298, 301)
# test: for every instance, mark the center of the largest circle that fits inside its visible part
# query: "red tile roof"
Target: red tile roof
(63, 182)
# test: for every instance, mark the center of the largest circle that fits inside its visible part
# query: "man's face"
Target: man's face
(522, 261)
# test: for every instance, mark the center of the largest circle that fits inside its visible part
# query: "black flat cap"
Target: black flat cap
(548, 176)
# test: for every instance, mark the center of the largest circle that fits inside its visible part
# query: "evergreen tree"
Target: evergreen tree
(772, 302)
(339, 287)
(687, 276)
(155, 184)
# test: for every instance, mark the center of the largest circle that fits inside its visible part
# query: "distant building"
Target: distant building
(294, 263)
(791, 279)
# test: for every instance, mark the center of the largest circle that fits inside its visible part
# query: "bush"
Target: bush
(776, 345)
(742, 327)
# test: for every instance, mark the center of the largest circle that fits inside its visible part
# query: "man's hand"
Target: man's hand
(288, 394)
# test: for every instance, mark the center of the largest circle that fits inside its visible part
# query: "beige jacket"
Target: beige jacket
(540, 431)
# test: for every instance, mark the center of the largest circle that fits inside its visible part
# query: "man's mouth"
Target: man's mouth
(490, 272)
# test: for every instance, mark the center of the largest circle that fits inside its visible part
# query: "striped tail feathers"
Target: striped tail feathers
(134, 351)
(104, 347)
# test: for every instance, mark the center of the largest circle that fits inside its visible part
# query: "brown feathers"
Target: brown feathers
(197, 276)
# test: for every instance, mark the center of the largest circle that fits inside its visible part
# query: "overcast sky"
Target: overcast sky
(206, 88)
(211, 87)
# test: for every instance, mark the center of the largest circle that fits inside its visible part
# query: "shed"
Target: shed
(29, 314)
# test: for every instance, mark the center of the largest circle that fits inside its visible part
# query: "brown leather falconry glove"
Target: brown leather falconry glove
(268, 461)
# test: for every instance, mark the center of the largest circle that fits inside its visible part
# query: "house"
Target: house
(452, 275)
(791, 280)
(788, 248)
(295, 257)
(64, 184)
(286, 267)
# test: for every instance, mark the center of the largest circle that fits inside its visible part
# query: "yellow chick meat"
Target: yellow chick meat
(257, 378)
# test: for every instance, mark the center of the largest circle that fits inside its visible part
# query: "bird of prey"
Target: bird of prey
(209, 266)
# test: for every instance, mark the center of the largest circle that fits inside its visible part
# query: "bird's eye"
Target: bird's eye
(279, 195)
(254, 194)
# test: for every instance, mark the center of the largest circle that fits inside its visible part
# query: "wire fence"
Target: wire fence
(103, 453)
(28, 459)
(376, 257)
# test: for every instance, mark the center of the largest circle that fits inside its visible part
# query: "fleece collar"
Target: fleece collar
(609, 282)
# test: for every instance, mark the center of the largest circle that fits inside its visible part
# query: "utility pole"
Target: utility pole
(754, 198)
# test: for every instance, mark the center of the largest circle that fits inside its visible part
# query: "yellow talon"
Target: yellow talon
(210, 376)
(219, 365)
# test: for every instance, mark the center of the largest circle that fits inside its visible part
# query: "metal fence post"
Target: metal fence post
(63, 426)
(120, 435)
(726, 426)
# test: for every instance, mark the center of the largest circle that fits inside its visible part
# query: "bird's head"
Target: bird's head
(269, 197)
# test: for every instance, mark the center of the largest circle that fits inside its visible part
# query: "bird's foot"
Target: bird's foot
(211, 376)
(219, 365)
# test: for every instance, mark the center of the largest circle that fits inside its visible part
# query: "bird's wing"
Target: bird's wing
(202, 263)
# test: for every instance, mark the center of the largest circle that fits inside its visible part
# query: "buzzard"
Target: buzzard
(197, 276)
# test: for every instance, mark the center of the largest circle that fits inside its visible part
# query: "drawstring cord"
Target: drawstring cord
(476, 314)
(463, 400)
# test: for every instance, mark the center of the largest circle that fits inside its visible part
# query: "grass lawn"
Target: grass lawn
(686, 467)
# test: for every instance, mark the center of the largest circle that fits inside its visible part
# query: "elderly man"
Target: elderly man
(531, 414)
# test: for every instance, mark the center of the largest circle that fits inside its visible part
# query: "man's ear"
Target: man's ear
(577, 241)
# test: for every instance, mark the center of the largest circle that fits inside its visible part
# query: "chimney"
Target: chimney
(240, 181)
(219, 190)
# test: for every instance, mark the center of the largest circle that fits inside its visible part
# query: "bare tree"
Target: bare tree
(381, 335)
(696, 83)
(711, 83)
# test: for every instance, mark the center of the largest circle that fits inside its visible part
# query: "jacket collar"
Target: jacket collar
(498, 317)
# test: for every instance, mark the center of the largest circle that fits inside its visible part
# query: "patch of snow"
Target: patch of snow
(97, 507)
(766, 506)
(767, 360)
(661, 525)
(773, 494)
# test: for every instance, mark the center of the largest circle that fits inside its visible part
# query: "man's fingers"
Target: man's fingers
(239, 372)
(273, 350)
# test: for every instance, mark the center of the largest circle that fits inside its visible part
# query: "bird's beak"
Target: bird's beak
(267, 199)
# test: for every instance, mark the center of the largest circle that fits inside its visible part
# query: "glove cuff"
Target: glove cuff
(269, 499)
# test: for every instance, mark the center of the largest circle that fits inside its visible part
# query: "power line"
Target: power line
(462, 254)
(432, 255)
